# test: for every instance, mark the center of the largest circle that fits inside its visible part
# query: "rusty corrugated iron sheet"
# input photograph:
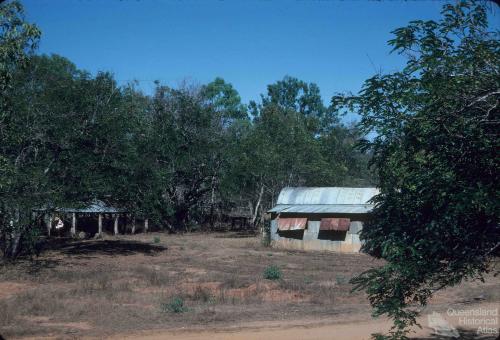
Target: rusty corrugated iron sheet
(339, 224)
(298, 223)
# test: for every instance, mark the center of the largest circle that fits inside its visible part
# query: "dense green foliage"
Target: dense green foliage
(17, 41)
(183, 157)
(175, 305)
(436, 153)
(186, 156)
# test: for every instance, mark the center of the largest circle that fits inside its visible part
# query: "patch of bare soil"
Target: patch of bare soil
(196, 286)
(304, 330)
(284, 330)
(46, 322)
(11, 288)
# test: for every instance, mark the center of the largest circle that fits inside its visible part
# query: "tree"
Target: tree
(224, 100)
(17, 41)
(74, 138)
(189, 135)
(277, 151)
(435, 150)
(294, 140)
(294, 95)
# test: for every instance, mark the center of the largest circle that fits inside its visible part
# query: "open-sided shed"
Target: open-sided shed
(97, 209)
(320, 218)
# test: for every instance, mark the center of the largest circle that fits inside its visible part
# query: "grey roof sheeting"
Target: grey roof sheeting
(323, 208)
(320, 200)
(326, 195)
(96, 207)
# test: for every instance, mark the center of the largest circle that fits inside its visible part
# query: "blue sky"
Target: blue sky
(336, 44)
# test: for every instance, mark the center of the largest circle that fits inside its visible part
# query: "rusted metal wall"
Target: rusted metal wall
(310, 241)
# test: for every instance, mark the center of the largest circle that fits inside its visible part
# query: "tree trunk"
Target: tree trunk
(212, 202)
(16, 234)
(181, 217)
(257, 205)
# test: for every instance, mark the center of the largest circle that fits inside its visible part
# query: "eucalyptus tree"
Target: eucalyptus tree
(18, 39)
(189, 141)
(295, 140)
(436, 154)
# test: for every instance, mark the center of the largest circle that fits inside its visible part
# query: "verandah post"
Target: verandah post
(49, 223)
(100, 225)
(73, 225)
(116, 224)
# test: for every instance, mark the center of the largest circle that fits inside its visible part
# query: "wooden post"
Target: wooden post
(100, 225)
(146, 225)
(49, 224)
(133, 225)
(116, 224)
(73, 225)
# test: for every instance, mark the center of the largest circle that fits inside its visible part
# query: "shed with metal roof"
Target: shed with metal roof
(320, 218)
(97, 208)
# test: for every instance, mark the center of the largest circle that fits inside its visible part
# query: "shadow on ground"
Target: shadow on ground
(67, 246)
(240, 234)
(110, 247)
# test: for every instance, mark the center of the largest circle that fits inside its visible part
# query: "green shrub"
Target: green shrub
(342, 280)
(272, 273)
(156, 239)
(175, 305)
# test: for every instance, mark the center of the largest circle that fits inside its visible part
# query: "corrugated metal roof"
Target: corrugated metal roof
(323, 208)
(98, 207)
(95, 207)
(325, 200)
(326, 195)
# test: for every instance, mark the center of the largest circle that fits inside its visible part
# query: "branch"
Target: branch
(482, 98)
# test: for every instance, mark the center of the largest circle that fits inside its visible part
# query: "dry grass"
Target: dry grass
(103, 287)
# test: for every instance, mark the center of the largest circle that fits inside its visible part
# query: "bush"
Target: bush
(156, 240)
(202, 294)
(341, 280)
(266, 235)
(176, 305)
(272, 273)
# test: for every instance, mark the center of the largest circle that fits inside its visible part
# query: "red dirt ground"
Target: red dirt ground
(123, 287)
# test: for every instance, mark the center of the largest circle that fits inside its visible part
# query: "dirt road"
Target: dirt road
(311, 329)
(359, 331)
